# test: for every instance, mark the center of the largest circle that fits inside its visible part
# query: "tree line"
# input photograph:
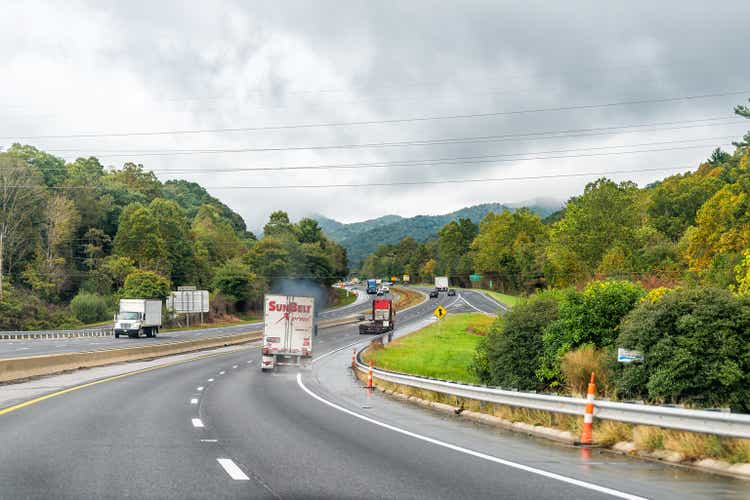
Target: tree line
(76, 236)
(691, 228)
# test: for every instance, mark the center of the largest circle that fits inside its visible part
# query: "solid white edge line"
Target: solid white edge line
(197, 422)
(460, 449)
(232, 469)
(194, 401)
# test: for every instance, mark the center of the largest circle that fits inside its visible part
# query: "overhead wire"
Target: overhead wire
(380, 122)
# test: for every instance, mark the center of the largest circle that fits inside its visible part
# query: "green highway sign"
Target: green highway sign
(475, 277)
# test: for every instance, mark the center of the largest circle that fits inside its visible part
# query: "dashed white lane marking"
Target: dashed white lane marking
(199, 388)
(249, 361)
(209, 440)
(194, 401)
(210, 380)
(222, 373)
(197, 422)
(231, 468)
(477, 454)
(235, 366)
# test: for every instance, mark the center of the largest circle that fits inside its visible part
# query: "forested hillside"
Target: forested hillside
(361, 238)
(691, 228)
(75, 237)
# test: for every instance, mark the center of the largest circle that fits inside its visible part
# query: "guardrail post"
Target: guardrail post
(588, 416)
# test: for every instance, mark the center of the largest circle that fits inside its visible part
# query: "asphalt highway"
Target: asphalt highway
(34, 347)
(218, 427)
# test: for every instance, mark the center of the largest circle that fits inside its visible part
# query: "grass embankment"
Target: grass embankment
(341, 298)
(406, 298)
(505, 299)
(442, 350)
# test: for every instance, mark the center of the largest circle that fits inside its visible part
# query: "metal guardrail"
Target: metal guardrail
(704, 421)
(55, 334)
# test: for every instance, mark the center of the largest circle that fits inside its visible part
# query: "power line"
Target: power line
(472, 159)
(401, 183)
(380, 122)
(421, 142)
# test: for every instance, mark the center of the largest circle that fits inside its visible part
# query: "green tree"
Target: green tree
(606, 215)
(174, 229)
(215, 239)
(278, 225)
(676, 200)
(309, 231)
(51, 167)
(22, 200)
(138, 238)
(234, 280)
(89, 307)
(696, 347)
(588, 318)
(513, 348)
(145, 285)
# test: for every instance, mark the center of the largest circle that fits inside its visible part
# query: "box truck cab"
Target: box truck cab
(138, 316)
(289, 326)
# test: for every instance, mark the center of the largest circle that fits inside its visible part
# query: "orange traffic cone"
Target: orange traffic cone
(588, 416)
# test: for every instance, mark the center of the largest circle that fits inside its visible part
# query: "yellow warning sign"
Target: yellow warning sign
(440, 312)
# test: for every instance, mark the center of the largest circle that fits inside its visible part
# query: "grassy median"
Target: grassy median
(342, 298)
(442, 350)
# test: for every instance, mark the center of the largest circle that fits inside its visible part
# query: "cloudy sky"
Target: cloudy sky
(394, 98)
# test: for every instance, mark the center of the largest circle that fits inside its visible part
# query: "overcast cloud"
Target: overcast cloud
(137, 66)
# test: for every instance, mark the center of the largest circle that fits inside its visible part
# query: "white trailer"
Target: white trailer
(441, 283)
(138, 316)
(289, 326)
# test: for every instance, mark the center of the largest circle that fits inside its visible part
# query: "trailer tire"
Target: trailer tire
(117, 335)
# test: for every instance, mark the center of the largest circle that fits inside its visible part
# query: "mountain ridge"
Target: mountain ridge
(362, 238)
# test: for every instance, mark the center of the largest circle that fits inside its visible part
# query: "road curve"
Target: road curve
(219, 428)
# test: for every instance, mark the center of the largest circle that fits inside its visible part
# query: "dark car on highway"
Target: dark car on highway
(434, 294)
(451, 293)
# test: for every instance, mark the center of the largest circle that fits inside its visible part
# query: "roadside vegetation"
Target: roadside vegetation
(442, 350)
(76, 237)
(339, 297)
(663, 270)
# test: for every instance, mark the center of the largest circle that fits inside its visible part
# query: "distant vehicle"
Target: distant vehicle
(434, 294)
(451, 293)
(138, 316)
(289, 326)
(383, 318)
(385, 289)
(372, 286)
(380, 292)
(441, 283)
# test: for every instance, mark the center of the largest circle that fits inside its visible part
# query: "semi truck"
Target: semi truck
(138, 316)
(289, 326)
(372, 286)
(441, 283)
(383, 318)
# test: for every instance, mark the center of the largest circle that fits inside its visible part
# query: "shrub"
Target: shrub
(145, 285)
(590, 317)
(509, 355)
(89, 307)
(696, 345)
(576, 368)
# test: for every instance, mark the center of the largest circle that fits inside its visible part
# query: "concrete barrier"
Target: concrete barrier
(47, 364)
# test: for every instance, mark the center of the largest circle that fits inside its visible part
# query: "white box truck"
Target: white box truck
(138, 316)
(441, 283)
(289, 326)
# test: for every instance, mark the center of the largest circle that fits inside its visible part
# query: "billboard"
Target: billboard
(188, 301)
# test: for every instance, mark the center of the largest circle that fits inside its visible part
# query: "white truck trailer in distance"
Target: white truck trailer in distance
(441, 283)
(138, 316)
(289, 325)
